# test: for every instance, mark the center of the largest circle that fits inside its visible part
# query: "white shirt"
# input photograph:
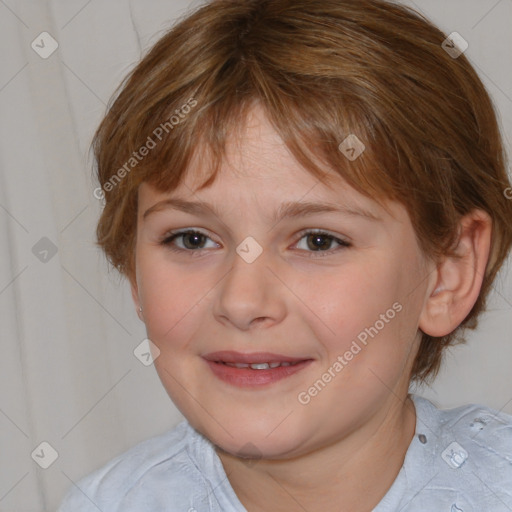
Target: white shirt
(460, 460)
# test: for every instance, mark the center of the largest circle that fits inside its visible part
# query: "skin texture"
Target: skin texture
(343, 449)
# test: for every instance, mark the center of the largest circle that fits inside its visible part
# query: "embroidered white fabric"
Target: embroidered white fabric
(460, 460)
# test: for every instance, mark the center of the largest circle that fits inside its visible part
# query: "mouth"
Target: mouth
(253, 369)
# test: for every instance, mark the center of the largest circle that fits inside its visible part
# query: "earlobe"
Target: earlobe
(135, 295)
(458, 278)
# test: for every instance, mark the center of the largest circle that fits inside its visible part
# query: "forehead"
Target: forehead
(255, 159)
(258, 168)
(254, 152)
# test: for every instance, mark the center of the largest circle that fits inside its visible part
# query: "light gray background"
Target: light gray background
(68, 329)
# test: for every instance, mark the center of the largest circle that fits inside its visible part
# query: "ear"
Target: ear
(457, 280)
(135, 295)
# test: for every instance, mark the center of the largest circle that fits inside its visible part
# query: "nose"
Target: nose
(250, 296)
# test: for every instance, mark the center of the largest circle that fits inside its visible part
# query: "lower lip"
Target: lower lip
(246, 377)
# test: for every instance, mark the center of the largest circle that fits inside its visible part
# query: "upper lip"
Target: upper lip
(229, 356)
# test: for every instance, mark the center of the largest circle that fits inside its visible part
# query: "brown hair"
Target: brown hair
(322, 70)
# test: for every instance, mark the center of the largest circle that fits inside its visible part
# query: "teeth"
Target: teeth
(260, 366)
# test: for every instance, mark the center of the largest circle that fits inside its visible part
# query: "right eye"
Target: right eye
(192, 240)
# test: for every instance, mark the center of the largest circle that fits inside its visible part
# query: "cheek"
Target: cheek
(366, 314)
(350, 300)
(169, 299)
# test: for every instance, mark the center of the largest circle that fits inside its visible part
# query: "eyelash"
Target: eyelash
(171, 236)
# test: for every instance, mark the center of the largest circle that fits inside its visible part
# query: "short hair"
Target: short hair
(322, 70)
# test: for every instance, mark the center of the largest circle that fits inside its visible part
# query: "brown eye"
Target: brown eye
(190, 241)
(321, 242)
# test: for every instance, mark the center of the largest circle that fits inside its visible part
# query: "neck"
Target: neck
(352, 473)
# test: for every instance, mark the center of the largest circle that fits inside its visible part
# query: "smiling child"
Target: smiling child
(309, 201)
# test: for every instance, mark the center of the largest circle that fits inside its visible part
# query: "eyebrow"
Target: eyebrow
(286, 210)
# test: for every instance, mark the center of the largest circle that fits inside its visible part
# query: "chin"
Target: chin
(254, 443)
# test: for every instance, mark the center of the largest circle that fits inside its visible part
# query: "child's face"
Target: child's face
(293, 301)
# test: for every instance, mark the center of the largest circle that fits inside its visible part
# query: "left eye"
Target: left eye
(192, 241)
(319, 241)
